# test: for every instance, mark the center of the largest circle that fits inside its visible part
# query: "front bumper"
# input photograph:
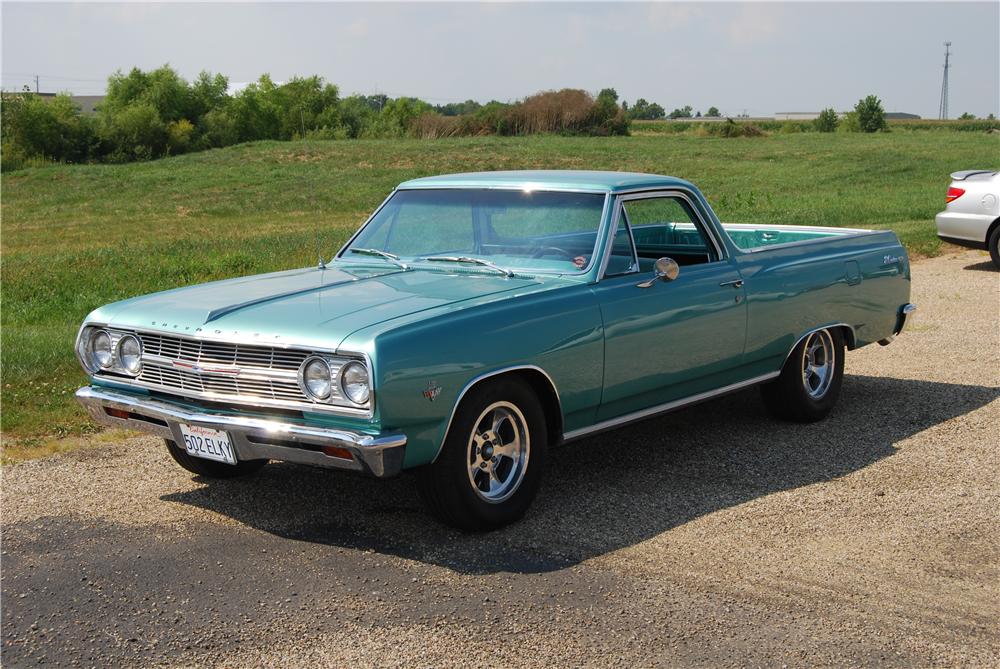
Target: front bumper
(252, 438)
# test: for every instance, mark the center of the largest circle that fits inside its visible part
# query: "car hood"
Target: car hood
(307, 307)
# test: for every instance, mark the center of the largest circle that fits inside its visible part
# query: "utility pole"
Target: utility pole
(36, 83)
(943, 111)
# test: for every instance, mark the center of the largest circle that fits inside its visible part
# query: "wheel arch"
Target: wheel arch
(535, 378)
(989, 231)
(846, 331)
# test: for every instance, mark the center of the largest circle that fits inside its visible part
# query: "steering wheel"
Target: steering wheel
(543, 251)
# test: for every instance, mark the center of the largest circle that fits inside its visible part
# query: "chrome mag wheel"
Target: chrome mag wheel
(498, 452)
(818, 363)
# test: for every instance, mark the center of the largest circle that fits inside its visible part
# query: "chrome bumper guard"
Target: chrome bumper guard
(904, 311)
(252, 438)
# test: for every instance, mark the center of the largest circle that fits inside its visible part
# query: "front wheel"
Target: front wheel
(210, 468)
(490, 466)
(810, 381)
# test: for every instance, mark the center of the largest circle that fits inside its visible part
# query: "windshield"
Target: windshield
(547, 231)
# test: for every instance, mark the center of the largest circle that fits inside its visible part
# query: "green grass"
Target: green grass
(76, 237)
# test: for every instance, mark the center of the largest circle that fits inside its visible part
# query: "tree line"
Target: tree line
(151, 114)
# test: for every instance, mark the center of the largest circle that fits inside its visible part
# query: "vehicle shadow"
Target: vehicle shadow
(607, 492)
(985, 266)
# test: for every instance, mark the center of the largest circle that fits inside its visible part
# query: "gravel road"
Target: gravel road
(710, 537)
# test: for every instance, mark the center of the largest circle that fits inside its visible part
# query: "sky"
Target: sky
(758, 58)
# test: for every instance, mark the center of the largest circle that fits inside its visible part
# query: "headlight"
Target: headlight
(100, 350)
(354, 382)
(130, 354)
(317, 381)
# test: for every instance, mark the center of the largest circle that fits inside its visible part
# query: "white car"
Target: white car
(971, 215)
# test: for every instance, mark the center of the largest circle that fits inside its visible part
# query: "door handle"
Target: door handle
(738, 283)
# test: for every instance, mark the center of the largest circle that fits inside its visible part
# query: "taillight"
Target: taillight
(953, 194)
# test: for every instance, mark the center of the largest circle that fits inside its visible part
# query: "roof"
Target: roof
(549, 180)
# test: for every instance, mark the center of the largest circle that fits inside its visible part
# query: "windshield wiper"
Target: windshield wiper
(391, 257)
(472, 261)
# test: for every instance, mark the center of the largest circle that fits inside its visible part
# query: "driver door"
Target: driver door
(671, 339)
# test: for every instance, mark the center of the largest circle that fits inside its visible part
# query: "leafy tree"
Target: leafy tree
(606, 117)
(683, 112)
(646, 110)
(33, 126)
(827, 121)
(135, 133)
(458, 108)
(712, 112)
(356, 114)
(608, 95)
(966, 116)
(162, 88)
(208, 92)
(698, 115)
(871, 115)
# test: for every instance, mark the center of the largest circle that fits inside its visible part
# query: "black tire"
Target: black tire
(993, 244)
(449, 489)
(210, 468)
(788, 398)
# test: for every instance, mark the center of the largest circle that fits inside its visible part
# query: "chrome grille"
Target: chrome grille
(222, 353)
(242, 373)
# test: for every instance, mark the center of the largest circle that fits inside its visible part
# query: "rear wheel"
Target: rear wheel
(210, 468)
(810, 381)
(490, 466)
(993, 243)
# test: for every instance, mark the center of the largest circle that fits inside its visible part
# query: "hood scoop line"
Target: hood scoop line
(215, 314)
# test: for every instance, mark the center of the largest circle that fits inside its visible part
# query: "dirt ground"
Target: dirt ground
(713, 536)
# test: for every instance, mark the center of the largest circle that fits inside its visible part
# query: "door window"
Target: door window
(667, 226)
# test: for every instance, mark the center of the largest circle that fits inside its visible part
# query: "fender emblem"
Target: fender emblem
(433, 390)
(890, 260)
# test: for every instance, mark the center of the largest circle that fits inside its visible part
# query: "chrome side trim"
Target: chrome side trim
(664, 408)
(380, 455)
(468, 386)
(854, 337)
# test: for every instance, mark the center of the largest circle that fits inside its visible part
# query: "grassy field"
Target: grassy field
(76, 237)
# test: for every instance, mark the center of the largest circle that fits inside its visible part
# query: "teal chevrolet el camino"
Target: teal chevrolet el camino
(475, 320)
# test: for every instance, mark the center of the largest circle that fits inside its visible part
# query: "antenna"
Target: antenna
(319, 251)
(943, 111)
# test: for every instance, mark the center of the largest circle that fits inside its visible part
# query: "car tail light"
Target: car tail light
(953, 194)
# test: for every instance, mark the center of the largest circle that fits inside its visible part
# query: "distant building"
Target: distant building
(796, 116)
(808, 116)
(86, 103)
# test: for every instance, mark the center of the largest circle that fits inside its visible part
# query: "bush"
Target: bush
(871, 116)
(827, 121)
(51, 129)
(135, 133)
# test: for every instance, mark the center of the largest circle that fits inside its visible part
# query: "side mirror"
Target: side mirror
(665, 269)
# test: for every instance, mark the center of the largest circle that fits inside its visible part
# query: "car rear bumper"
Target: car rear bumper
(963, 229)
(901, 317)
(379, 455)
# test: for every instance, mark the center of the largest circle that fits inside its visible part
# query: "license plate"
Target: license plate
(203, 442)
